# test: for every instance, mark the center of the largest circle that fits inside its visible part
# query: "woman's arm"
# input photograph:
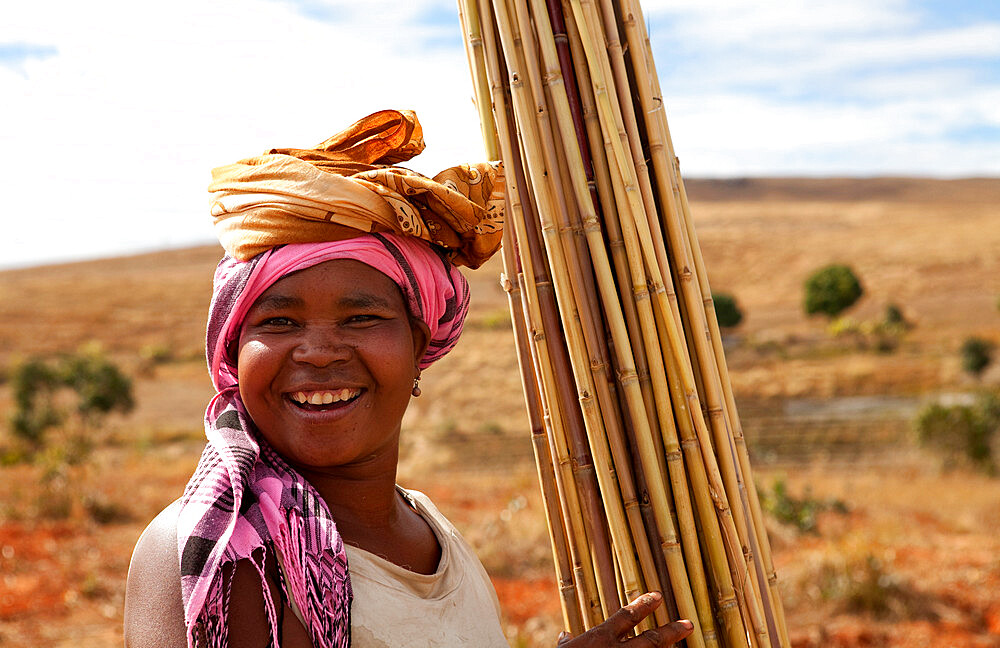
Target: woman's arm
(154, 613)
(248, 623)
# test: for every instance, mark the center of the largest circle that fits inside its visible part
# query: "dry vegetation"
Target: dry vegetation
(884, 549)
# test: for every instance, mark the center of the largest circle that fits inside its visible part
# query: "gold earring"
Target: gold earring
(416, 386)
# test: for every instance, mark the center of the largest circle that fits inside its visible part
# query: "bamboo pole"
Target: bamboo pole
(602, 240)
(635, 17)
(633, 230)
(540, 433)
(585, 293)
(671, 454)
(721, 408)
(575, 474)
(614, 316)
(596, 435)
(560, 284)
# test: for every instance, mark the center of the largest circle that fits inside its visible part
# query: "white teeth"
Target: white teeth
(325, 397)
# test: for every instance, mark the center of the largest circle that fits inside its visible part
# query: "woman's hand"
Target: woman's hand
(611, 632)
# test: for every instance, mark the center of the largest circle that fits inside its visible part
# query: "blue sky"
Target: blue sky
(115, 111)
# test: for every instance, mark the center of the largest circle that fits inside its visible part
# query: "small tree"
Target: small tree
(831, 290)
(99, 385)
(962, 432)
(894, 316)
(34, 383)
(59, 440)
(727, 311)
(977, 354)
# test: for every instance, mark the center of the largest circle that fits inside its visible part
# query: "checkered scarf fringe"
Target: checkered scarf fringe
(243, 502)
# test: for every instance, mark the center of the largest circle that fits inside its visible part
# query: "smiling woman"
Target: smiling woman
(293, 531)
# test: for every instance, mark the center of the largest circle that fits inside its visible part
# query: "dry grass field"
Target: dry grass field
(885, 547)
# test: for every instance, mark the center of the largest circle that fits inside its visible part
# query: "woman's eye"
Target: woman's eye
(364, 318)
(277, 322)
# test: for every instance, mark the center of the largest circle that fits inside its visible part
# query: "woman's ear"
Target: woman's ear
(421, 339)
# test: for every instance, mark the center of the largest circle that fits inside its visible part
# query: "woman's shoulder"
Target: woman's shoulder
(422, 502)
(154, 612)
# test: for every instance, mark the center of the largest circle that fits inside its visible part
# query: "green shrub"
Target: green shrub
(727, 310)
(100, 388)
(868, 335)
(962, 432)
(799, 512)
(831, 290)
(977, 354)
(864, 585)
(156, 354)
(894, 316)
(34, 384)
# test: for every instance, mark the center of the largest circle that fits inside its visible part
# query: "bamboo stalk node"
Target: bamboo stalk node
(627, 377)
(728, 604)
(668, 546)
(552, 78)
(690, 444)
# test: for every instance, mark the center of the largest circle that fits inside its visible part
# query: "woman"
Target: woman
(340, 288)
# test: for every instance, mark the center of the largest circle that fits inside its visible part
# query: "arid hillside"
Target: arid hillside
(876, 543)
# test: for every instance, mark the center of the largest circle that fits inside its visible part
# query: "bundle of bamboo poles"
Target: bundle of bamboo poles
(641, 458)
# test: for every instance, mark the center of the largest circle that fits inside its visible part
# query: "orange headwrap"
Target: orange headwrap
(347, 185)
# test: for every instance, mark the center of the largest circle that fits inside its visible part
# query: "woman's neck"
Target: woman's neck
(372, 515)
(362, 495)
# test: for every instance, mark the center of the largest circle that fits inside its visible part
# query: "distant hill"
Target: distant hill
(930, 245)
(844, 189)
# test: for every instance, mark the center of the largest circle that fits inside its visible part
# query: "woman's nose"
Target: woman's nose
(320, 347)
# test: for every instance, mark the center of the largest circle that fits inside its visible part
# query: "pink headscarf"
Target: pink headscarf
(244, 500)
(434, 289)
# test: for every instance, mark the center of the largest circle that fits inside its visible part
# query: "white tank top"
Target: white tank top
(396, 608)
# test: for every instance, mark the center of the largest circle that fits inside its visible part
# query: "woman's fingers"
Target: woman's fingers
(619, 624)
(629, 616)
(663, 636)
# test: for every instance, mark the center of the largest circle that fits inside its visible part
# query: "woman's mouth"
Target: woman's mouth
(324, 400)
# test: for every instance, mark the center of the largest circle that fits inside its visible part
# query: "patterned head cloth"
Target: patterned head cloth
(347, 185)
(277, 214)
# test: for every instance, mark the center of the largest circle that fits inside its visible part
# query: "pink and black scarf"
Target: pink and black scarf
(244, 500)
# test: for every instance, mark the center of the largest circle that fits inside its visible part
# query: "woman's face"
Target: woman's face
(327, 358)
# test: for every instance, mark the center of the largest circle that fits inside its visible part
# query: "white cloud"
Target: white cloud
(739, 22)
(854, 87)
(109, 142)
(740, 135)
